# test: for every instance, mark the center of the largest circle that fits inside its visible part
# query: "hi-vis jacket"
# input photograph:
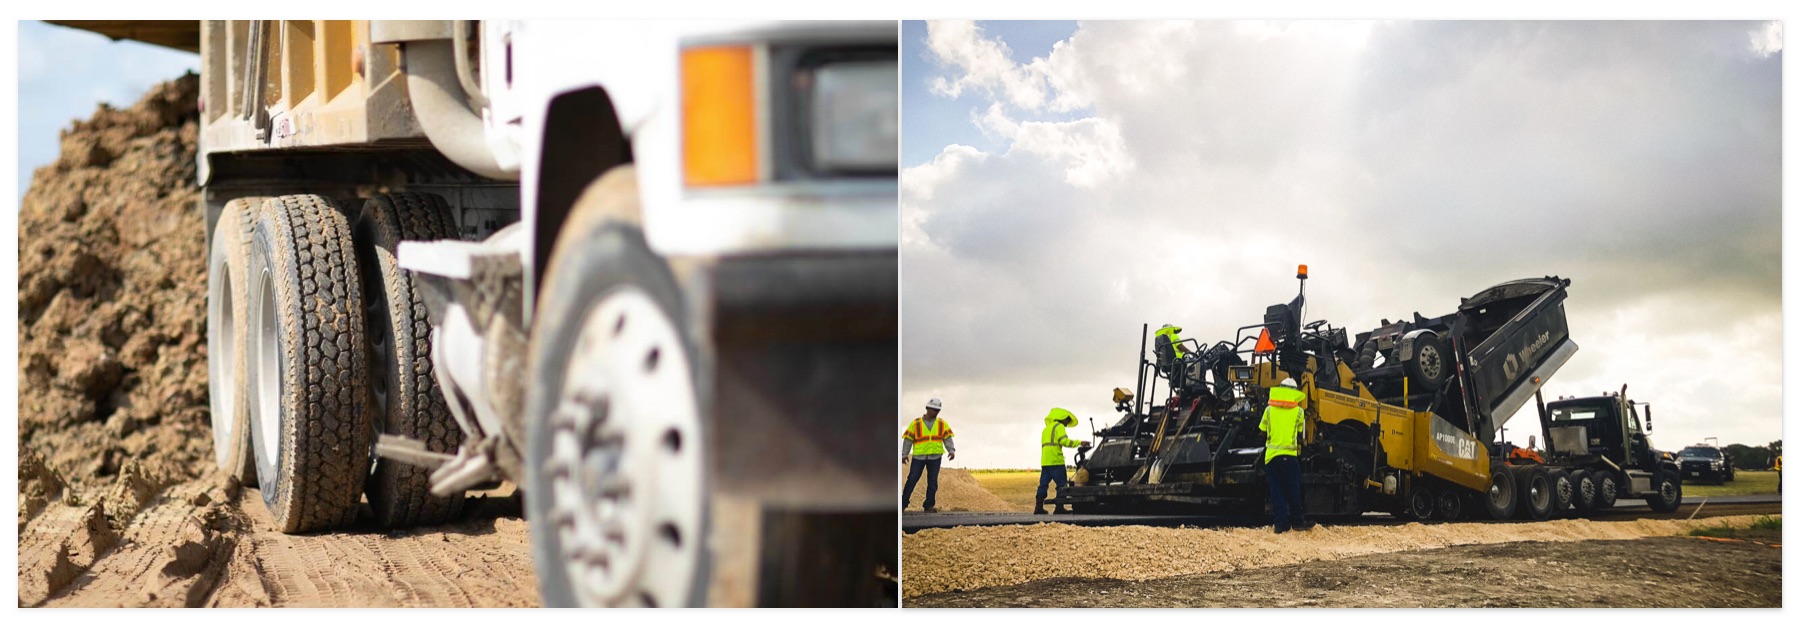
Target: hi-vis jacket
(1284, 422)
(929, 441)
(1056, 437)
(1172, 334)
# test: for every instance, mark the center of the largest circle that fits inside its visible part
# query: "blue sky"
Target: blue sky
(65, 73)
(933, 121)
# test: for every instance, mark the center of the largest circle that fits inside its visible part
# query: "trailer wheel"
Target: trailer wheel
(1666, 496)
(227, 303)
(1450, 504)
(308, 424)
(615, 487)
(1606, 489)
(1562, 492)
(407, 401)
(1430, 364)
(1586, 493)
(1502, 494)
(1539, 497)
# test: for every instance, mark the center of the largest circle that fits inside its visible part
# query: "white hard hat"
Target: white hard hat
(1289, 382)
(935, 404)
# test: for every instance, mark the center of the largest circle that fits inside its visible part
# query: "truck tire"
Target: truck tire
(227, 287)
(1665, 491)
(1562, 489)
(1450, 504)
(1586, 493)
(1421, 504)
(404, 391)
(309, 383)
(616, 492)
(1538, 499)
(1429, 366)
(1606, 489)
(1502, 494)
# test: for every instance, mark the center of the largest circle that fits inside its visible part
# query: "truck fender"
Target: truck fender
(1406, 343)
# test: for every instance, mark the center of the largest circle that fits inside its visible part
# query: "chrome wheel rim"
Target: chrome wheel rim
(624, 467)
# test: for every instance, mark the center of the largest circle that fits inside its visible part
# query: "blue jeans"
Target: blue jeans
(1284, 491)
(912, 480)
(1053, 473)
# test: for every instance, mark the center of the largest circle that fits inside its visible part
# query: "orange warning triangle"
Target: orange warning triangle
(1263, 343)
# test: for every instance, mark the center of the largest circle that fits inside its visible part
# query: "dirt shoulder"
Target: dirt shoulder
(1664, 572)
(971, 558)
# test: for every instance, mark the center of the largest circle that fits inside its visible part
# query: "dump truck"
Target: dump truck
(1597, 450)
(1402, 420)
(644, 271)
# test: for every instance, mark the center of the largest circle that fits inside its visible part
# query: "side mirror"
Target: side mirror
(1649, 426)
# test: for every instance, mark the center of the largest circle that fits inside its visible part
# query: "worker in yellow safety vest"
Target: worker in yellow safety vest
(926, 441)
(1283, 424)
(1170, 335)
(1050, 445)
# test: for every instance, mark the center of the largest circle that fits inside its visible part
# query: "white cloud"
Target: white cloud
(983, 64)
(1767, 41)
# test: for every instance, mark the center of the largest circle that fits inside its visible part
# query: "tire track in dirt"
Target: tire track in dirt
(201, 544)
(367, 567)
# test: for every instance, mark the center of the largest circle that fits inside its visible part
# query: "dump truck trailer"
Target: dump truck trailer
(1402, 421)
(617, 264)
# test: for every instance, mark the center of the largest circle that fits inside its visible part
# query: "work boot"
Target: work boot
(931, 509)
(1040, 508)
(1280, 529)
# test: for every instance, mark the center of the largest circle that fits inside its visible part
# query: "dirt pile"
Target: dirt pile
(112, 306)
(958, 491)
(963, 559)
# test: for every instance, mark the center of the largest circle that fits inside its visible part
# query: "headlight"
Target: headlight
(856, 117)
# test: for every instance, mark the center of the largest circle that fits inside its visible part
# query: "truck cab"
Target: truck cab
(1608, 432)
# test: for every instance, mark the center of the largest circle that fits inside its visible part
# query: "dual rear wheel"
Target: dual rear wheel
(317, 342)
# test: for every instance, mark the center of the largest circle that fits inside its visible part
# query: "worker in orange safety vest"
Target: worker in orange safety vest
(924, 445)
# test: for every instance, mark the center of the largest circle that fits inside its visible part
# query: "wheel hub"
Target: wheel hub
(1430, 363)
(625, 470)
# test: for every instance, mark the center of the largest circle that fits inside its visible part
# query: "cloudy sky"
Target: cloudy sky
(64, 73)
(1066, 183)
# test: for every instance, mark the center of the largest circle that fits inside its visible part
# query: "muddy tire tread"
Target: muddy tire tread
(325, 442)
(400, 494)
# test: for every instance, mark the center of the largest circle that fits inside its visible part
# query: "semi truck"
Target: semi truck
(644, 271)
(1402, 420)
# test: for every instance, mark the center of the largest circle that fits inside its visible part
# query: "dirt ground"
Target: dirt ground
(1660, 572)
(119, 503)
(974, 558)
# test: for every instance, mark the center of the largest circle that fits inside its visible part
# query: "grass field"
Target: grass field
(1727, 531)
(1747, 483)
(1017, 486)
